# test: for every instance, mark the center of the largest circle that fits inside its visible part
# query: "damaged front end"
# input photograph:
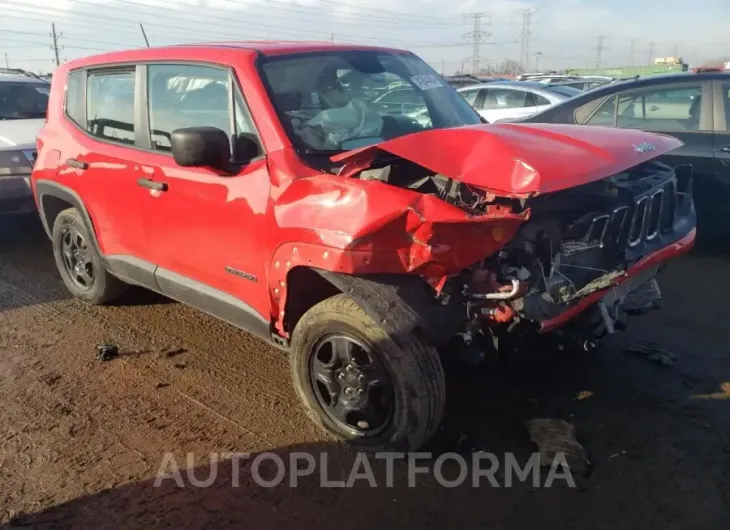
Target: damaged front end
(592, 239)
(587, 258)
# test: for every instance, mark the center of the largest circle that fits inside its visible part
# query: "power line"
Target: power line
(599, 50)
(475, 37)
(55, 43)
(632, 52)
(525, 35)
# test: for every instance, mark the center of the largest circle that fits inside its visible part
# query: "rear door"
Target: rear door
(99, 154)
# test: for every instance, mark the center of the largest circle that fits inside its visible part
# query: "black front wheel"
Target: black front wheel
(80, 263)
(362, 387)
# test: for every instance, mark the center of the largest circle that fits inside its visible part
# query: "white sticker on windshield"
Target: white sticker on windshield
(43, 90)
(426, 81)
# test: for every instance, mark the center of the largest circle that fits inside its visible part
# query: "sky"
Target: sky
(563, 33)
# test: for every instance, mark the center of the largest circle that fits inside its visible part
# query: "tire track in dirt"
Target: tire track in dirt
(228, 370)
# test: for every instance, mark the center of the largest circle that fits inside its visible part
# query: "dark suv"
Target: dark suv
(250, 181)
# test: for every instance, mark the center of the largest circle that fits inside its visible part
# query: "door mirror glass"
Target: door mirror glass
(201, 147)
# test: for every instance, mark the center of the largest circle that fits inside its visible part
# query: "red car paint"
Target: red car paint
(278, 213)
(520, 160)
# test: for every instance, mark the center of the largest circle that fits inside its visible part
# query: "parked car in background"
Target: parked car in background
(514, 99)
(23, 104)
(581, 84)
(459, 81)
(245, 180)
(692, 106)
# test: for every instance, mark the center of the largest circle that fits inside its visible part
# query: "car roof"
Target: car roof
(13, 78)
(510, 84)
(268, 48)
(650, 81)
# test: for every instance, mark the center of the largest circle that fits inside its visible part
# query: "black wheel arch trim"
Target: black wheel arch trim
(401, 304)
(47, 188)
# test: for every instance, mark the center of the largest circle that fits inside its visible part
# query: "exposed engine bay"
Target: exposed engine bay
(577, 241)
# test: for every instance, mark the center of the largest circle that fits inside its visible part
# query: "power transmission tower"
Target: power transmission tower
(476, 38)
(632, 52)
(525, 42)
(651, 53)
(54, 47)
(599, 50)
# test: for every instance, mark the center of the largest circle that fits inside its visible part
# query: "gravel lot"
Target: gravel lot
(82, 441)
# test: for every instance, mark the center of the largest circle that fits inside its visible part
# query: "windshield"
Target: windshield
(23, 100)
(336, 101)
(564, 90)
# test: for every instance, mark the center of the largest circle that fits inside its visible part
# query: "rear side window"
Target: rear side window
(662, 109)
(74, 96)
(110, 105)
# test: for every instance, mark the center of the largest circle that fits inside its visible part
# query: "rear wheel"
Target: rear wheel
(80, 263)
(359, 385)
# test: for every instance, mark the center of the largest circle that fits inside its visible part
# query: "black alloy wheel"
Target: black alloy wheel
(351, 384)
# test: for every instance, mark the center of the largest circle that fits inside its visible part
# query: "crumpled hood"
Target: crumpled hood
(521, 160)
(19, 133)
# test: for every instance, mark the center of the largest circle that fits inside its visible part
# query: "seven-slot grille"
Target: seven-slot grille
(650, 215)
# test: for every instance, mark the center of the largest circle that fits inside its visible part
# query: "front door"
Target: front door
(205, 230)
(721, 186)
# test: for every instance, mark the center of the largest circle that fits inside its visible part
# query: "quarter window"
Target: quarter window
(110, 105)
(726, 102)
(74, 98)
(182, 96)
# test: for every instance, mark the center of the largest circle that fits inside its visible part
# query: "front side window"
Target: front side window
(661, 109)
(110, 105)
(22, 100)
(182, 96)
(333, 101)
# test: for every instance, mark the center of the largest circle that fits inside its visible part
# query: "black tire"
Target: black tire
(415, 371)
(103, 287)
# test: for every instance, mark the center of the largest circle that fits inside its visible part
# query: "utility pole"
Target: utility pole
(332, 37)
(443, 67)
(632, 52)
(599, 50)
(651, 53)
(476, 37)
(675, 50)
(144, 35)
(537, 57)
(7, 62)
(55, 43)
(525, 42)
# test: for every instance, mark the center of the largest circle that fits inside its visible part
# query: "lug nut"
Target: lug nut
(340, 376)
(348, 391)
(360, 391)
(361, 378)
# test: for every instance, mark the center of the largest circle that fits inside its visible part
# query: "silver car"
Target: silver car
(23, 103)
(515, 99)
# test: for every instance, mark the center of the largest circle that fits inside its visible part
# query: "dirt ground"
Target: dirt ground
(82, 441)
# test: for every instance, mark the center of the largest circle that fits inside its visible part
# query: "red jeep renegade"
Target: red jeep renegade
(347, 205)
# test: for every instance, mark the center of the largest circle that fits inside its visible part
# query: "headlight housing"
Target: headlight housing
(16, 162)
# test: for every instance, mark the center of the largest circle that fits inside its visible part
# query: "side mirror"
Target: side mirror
(201, 147)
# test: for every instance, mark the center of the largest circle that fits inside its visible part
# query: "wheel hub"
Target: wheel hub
(351, 384)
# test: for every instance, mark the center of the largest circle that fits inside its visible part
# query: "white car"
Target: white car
(23, 103)
(515, 99)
